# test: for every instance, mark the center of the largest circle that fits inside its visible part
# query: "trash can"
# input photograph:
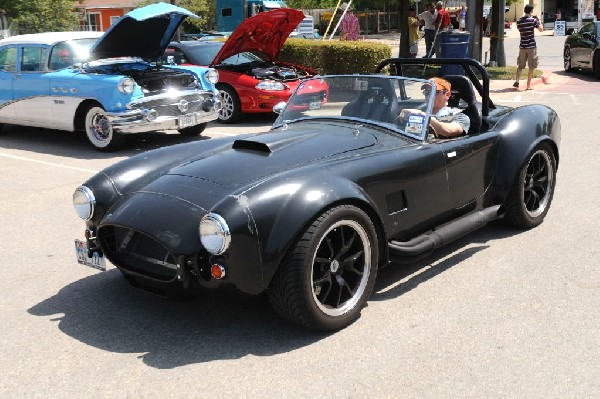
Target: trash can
(453, 44)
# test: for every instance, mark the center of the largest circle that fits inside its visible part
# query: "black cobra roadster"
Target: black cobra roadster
(308, 211)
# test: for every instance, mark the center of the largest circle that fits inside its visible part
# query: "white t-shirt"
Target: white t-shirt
(428, 18)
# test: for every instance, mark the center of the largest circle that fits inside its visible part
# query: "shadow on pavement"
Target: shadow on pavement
(107, 313)
(390, 282)
(75, 144)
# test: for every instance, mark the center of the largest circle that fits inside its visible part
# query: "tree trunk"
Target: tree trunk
(497, 33)
(403, 18)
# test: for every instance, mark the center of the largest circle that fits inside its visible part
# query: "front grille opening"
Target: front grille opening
(137, 253)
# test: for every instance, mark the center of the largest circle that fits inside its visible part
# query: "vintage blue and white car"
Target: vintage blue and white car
(106, 85)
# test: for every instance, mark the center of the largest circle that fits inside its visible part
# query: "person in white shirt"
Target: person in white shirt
(428, 18)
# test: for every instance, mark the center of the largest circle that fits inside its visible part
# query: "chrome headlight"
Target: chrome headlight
(214, 233)
(84, 202)
(126, 85)
(212, 76)
(270, 85)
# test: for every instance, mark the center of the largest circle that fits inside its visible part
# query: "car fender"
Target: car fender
(521, 130)
(298, 205)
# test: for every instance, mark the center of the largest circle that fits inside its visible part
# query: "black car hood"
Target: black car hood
(261, 155)
(144, 32)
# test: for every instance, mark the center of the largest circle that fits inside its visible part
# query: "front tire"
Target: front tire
(231, 112)
(99, 131)
(531, 195)
(326, 279)
(567, 60)
(193, 131)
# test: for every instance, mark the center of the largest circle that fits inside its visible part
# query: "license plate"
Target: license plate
(314, 105)
(96, 261)
(187, 120)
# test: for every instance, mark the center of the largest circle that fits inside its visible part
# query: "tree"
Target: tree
(33, 16)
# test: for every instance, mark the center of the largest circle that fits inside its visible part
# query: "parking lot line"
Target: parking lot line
(19, 158)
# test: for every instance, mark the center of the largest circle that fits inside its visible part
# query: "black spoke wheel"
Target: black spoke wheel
(532, 193)
(327, 278)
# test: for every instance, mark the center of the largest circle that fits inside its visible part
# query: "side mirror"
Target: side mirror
(278, 108)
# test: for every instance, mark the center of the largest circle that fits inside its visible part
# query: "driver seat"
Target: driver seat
(462, 89)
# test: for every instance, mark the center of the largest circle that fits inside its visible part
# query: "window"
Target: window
(113, 20)
(93, 22)
(8, 59)
(33, 58)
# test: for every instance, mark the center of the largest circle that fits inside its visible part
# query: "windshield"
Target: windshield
(205, 54)
(376, 99)
(65, 54)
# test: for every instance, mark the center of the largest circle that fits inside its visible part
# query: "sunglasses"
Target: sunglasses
(428, 92)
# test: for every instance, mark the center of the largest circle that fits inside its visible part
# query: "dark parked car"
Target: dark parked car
(251, 80)
(310, 210)
(581, 50)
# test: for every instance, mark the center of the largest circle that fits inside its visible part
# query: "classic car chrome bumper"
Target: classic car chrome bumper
(167, 111)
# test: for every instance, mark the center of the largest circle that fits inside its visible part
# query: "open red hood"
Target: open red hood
(265, 32)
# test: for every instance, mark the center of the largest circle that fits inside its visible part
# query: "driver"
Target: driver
(445, 121)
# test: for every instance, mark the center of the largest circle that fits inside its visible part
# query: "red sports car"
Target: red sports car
(250, 80)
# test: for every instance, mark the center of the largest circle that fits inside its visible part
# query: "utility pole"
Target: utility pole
(474, 22)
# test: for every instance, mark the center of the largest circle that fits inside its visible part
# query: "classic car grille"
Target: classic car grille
(137, 253)
(171, 106)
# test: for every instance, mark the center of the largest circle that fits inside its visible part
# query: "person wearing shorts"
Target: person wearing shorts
(527, 25)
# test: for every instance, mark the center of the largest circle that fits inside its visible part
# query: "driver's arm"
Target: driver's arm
(450, 126)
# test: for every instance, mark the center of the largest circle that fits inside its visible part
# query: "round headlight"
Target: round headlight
(84, 202)
(212, 76)
(214, 233)
(126, 85)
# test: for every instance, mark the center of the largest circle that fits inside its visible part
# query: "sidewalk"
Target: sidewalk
(393, 40)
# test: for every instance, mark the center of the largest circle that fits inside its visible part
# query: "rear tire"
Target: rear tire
(597, 65)
(326, 279)
(193, 131)
(231, 112)
(531, 195)
(98, 129)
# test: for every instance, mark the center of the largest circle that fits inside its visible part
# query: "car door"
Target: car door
(30, 87)
(470, 163)
(8, 70)
(582, 47)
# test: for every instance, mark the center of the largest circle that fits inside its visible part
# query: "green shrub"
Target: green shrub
(335, 57)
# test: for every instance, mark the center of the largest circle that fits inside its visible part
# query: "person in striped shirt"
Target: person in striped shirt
(527, 25)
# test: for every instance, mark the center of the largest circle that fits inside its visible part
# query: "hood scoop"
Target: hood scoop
(251, 146)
